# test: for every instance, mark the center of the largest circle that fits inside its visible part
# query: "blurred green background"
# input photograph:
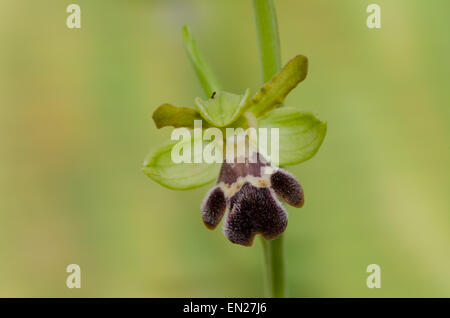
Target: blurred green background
(75, 127)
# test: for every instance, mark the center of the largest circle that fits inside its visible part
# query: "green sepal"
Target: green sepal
(301, 133)
(160, 167)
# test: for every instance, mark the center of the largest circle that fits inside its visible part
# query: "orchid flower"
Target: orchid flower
(247, 196)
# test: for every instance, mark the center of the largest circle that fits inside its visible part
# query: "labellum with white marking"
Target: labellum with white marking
(249, 191)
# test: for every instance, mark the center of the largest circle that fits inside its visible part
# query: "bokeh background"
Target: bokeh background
(75, 127)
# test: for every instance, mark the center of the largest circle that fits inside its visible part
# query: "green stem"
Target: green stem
(269, 51)
(268, 39)
(273, 255)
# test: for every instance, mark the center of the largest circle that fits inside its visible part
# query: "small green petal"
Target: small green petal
(301, 134)
(176, 116)
(160, 167)
(222, 108)
(275, 91)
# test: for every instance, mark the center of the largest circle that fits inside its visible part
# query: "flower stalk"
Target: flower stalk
(268, 38)
(270, 56)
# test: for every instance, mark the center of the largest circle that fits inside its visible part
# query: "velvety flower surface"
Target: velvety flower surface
(249, 191)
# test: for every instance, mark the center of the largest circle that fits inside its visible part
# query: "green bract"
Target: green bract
(202, 70)
(300, 133)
